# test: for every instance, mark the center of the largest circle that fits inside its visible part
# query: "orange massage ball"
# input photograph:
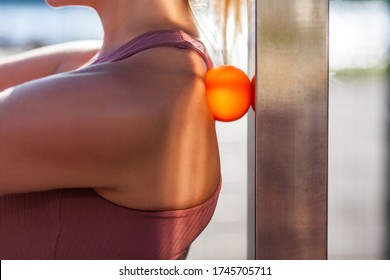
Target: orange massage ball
(229, 92)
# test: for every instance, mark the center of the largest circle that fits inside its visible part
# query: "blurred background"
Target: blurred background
(358, 124)
(358, 130)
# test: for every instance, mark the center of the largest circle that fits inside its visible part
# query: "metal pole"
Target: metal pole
(291, 130)
(251, 218)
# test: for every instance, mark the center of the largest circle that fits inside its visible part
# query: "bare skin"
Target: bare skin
(45, 61)
(138, 131)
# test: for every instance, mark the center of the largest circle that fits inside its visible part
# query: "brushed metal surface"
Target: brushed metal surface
(251, 218)
(291, 129)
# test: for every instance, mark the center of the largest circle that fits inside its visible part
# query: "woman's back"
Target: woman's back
(179, 151)
(147, 114)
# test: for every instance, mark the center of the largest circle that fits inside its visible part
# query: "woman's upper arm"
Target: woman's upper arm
(45, 61)
(69, 131)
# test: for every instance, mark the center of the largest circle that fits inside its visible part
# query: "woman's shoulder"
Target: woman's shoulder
(164, 68)
(137, 129)
(160, 80)
(182, 168)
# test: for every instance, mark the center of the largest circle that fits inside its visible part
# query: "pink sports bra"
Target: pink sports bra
(80, 224)
(155, 39)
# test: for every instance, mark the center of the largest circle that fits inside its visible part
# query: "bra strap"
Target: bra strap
(155, 39)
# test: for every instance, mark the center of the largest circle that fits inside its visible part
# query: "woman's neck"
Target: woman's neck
(123, 20)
